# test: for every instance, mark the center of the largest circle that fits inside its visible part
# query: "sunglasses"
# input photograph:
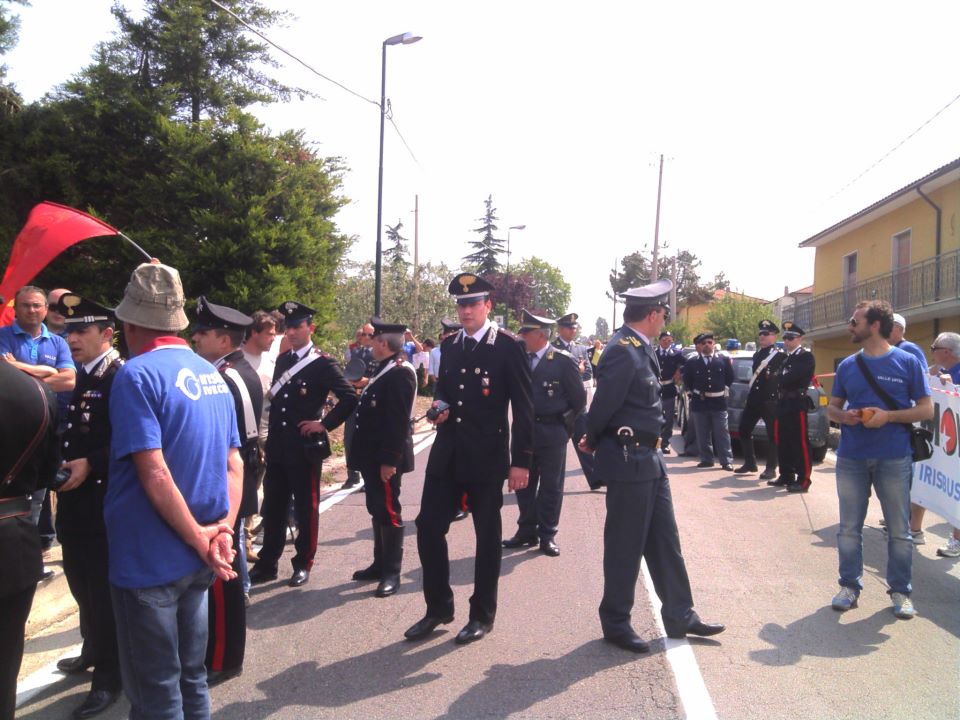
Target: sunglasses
(366, 334)
(790, 336)
(765, 333)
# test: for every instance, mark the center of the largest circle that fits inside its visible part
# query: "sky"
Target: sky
(767, 114)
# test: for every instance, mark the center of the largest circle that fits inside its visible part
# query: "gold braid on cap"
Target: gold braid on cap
(71, 301)
(466, 281)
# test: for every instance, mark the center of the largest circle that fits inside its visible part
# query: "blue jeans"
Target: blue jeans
(162, 638)
(713, 424)
(891, 480)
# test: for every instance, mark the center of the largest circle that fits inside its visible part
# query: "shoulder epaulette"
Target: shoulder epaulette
(624, 341)
(507, 333)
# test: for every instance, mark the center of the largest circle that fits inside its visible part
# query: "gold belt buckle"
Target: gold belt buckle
(658, 443)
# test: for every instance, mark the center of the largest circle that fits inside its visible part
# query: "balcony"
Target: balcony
(930, 288)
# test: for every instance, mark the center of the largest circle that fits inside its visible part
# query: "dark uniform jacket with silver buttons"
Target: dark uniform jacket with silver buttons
(249, 450)
(766, 387)
(796, 372)
(557, 389)
(670, 361)
(382, 421)
(302, 398)
(87, 435)
(479, 385)
(579, 353)
(713, 376)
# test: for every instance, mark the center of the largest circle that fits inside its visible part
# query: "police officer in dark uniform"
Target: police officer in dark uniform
(566, 332)
(623, 427)
(762, 399)
(796, 374)
(382, 450)
(29, 451)
(558, 398)
(708, 378)
(80, 528)
(483, 370)
(217, 336)
(671, 363)
(302, 380)
(362, 355)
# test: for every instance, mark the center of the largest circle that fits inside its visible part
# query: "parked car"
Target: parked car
(818, 425)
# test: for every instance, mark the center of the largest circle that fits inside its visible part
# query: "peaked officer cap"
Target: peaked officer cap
(355, 369)
(449, 325)
(79, 312)
(468, 288)
(529, 321)
(381, 328)
(569, 320)
(702, 336)
(791, 328)
(295, 313)
(768, 326)
(219, 317)
(657, 293)
(666, 333)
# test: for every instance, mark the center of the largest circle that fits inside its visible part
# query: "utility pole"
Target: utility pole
(416, 265)
(673, 290)
(614, 295)
(654, 272)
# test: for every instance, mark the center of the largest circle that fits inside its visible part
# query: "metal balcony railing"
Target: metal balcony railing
(924, 283)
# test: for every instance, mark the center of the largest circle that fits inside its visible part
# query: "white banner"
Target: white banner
(936, 482)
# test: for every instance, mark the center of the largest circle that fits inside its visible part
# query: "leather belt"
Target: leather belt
(715, 394)
(550, 419)
(14, 507)
(628, 437)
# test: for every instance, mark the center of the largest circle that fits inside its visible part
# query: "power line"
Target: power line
(897, 146)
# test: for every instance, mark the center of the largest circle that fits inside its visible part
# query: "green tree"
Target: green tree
(735, 316)
(550, 292)
(635, 271)
(396, 255)
(603, 328)
(681, 332)
(200, 55)
(485, 257)
(10, 100)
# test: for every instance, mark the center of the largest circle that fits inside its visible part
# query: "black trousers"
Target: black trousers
(14, 611)
(640, 523)
(541, 500)
(442, 497)
(285, 477)
(669, 418)
(227, 620)
(793, 450)
(586, 459)
(85, 563)
(383, 499)
(748, 421)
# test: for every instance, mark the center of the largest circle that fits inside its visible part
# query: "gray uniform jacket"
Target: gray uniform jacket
(557, 389)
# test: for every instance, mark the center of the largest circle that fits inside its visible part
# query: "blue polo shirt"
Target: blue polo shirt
(898, 373)
(47, 349)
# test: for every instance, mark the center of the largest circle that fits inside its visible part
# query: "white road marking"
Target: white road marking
(694, 695)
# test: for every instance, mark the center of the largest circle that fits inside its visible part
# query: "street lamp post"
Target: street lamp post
(512, 227)
(403, 39)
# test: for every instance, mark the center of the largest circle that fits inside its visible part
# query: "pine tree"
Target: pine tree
(484, 259)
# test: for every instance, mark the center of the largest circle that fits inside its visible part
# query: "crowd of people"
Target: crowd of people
(159, 456)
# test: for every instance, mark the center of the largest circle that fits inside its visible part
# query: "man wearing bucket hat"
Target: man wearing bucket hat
(176, 478)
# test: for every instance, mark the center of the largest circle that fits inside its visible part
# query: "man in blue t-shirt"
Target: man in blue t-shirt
(875, 450)
(176, 478)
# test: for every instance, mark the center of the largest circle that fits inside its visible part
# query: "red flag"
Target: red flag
(50, 229)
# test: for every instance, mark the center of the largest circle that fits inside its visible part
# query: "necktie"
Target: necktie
(469, 344)
(533, 359)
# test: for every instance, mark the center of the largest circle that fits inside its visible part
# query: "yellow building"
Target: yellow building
(904, 249)
(695, 316)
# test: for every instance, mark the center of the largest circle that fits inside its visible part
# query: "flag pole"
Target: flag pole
(144, 252)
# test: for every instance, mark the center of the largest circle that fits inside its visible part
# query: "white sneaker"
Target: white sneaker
(902, 606)
(951, 549)
(918, 537)
(844, 600)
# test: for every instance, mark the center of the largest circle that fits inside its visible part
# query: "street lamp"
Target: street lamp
(512, 227)
(403, 39)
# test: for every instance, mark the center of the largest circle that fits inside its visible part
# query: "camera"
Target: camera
(63, 474)
(434, 412)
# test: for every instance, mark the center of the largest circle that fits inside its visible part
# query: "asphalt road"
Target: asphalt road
(761, 561)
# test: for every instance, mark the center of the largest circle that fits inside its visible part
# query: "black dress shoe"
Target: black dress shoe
(215, 677)
(704, 464)
(461, 515)
(299, 578)
(779, 482)
(628, 640)
(700, 629)
(370, 573)
(744, 469)
(473, 631)
(73, 665)
(728, 467)
(597, 486)
(425, 626)
(768, 474)
(519, 540)
(95, 703)
(549, 547)
(665, 449)
(387, 587)
(260, 574)
(799, 487)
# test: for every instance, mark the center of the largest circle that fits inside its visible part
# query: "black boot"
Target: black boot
(392, 560)
(375, 571)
